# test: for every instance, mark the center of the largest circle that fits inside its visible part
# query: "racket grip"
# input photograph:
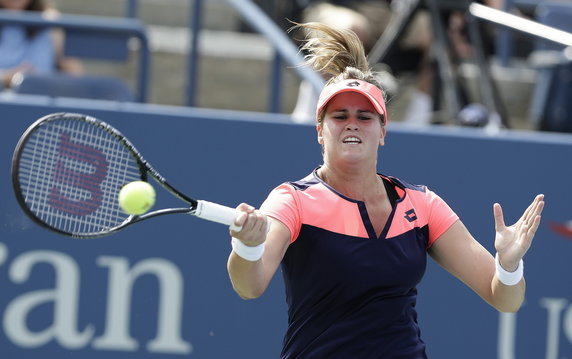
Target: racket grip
(216, 212)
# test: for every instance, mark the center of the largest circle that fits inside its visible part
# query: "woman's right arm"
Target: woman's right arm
(250, 279)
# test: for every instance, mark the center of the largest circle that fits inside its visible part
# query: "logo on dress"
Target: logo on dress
(410, 215)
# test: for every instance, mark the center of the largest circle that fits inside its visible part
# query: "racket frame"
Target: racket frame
(206, 210)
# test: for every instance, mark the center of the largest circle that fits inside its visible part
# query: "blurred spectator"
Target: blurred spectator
(32, 50)
(421, 106)
(368, 19)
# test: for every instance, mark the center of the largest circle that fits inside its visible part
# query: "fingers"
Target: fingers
(533, 220)
(252, 225)
(539, 205)
(499, 218)
(527, 211)
(245, 207)
(532, 230)
(241, 219)
(529, 216)
(534, 209)
(236, 226)
(530, 221)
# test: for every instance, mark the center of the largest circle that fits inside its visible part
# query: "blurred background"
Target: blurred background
(233, 68)
(232, 65)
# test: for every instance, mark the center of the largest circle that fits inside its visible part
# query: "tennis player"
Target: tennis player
(353, 243)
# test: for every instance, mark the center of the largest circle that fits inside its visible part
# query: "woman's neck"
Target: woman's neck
(354, 182)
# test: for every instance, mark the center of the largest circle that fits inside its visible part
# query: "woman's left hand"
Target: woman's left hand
(514, 241)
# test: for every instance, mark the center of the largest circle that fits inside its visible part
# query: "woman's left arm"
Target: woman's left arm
(459, 253)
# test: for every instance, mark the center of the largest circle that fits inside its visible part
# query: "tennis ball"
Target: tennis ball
(136, 197)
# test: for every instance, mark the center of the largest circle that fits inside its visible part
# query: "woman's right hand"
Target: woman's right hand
(253, 224)
(249, 277)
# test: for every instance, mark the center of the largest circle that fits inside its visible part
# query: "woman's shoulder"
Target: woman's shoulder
(404, 185)
(305, 182)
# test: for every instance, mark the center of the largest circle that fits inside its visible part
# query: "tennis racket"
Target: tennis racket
(68, 169)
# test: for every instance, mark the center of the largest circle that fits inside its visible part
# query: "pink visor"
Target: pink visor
(372, 92)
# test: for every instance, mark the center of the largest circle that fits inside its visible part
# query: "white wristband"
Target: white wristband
(247, 252)
(509, 278)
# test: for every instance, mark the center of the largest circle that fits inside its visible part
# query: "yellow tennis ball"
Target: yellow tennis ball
(136, 197)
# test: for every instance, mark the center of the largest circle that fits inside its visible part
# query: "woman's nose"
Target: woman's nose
(352, 123)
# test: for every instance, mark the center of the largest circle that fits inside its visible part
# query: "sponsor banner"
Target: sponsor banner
(160, 288)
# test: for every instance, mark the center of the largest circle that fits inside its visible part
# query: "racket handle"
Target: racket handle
(216, 212)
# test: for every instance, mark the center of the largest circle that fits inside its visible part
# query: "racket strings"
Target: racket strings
(70, 172)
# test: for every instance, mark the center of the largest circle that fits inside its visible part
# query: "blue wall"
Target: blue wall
(59, 294)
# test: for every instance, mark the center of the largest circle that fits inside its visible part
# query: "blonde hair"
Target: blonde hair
(336, 52)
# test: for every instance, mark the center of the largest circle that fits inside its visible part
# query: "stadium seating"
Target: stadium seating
(87, 87)
(108, 39)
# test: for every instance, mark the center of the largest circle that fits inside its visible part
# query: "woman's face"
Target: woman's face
(351, 129)
(14, 4)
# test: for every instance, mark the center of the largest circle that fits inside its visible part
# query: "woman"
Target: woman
(353, 242)
(32, 50)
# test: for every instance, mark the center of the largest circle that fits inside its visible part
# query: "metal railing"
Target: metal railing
(521, 24)
(95, 26)
(285, 50)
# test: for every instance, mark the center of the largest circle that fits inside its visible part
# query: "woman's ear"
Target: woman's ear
(319, 131)
(382, 136)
